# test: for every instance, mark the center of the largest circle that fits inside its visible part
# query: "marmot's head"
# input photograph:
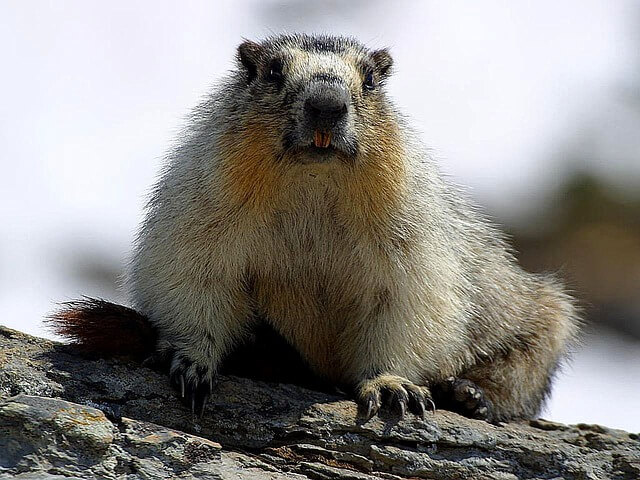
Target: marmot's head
(317, 97)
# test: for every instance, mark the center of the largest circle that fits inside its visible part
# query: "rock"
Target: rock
(66, 416)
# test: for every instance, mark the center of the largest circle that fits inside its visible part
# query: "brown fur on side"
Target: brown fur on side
(104, 329)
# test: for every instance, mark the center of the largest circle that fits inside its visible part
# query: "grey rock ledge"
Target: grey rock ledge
(65, 416)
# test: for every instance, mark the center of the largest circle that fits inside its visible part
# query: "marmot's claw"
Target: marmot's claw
(400, 400)
(372, 407)
(395, 392)
(199, 397)
(193, 382)
(463, 396)
(419, 398)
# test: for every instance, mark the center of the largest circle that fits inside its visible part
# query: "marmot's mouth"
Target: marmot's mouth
(319, 144)
(321, 139)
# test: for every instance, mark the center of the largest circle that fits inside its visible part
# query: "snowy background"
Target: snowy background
(92, 93)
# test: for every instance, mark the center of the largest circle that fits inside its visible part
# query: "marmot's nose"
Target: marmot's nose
(327, 107)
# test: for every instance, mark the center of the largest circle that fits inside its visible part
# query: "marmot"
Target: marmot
(299, 197)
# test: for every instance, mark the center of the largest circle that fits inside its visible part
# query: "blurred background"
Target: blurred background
(534, 106)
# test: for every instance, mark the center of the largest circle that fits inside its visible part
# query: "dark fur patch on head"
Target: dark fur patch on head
(316, 43)
(321, 44)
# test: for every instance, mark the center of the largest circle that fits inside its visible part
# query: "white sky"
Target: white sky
(91, 93)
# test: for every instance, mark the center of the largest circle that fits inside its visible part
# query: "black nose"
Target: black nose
(326, 107)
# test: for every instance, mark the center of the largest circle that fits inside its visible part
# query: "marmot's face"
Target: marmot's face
(320, 97)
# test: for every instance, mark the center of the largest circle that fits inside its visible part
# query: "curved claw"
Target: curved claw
(401, 401)
(419, 399)
(193, 382)
(417, 403)
(373, 406)
(432, 406)
(402, 406)
(370, 412)
(198, 396)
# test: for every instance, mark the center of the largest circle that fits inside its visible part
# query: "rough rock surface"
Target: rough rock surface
(66, 416)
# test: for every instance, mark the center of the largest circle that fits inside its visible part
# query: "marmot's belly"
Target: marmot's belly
(312, 320)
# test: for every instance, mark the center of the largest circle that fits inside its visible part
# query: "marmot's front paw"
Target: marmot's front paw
(463, 396)
(393, 391)
(193, 381)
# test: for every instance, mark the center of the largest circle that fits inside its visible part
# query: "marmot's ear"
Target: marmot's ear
(383, 61)
(249, 54)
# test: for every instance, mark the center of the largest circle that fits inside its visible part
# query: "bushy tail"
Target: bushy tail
(104, 329)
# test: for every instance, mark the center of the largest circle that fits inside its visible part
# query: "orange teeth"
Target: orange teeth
(321, 139)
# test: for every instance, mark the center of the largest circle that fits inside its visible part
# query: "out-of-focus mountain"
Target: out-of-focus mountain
(591, 236)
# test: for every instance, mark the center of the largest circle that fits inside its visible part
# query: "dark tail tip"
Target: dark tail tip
(104, 329)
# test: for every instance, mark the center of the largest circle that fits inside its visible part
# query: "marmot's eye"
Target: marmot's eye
(369, 81)
(274, 72)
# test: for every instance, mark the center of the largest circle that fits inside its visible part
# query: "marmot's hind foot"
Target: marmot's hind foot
(464, 397)
(193, 382)
(394, 392)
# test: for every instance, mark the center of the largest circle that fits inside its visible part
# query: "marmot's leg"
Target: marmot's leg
(198, 328)
(515, 384)
(510, 386)
(372, 343)
(517, 381)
